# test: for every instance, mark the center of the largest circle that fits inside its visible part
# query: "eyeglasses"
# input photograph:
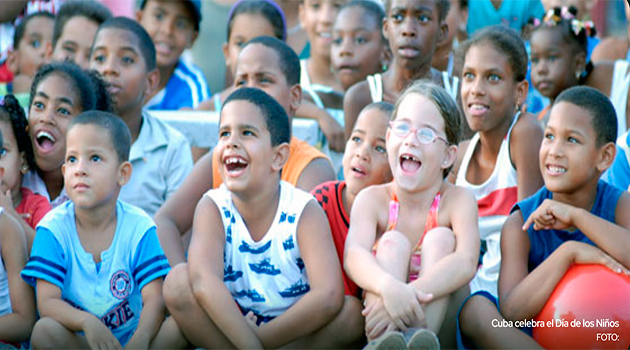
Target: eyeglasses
(425, 135)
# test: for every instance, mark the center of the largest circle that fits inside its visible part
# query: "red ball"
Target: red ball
(598, 299)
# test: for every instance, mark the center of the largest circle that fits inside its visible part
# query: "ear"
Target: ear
(48, 51)
(139, 15)
(63, 170)
(607, 155)
(463, 21)
(385, 27)
(280, 157)
(579, 62)
(12, 62)
(193, 38)
(386, 55)
(442, 33)
(296, 98)
(226, 54)
(153, 80)
(449, 157)
(23, 163)
(124, 173)
(301, 14)
(1, 172)
(521, 92)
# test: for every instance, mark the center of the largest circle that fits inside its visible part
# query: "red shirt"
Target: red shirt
(329, 196)
(34, 204)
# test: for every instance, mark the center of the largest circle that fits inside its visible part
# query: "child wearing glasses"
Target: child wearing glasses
(409, 276)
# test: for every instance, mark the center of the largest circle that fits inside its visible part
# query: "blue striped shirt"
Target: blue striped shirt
(187, 87)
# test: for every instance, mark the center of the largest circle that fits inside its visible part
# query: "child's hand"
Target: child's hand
(551, 214)
(333, 131)
(99, 336)
(377, 320)
(251, 320)
(584, 253)
(402, 302)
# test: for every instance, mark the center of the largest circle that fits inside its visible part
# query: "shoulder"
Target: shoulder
(528, 205)
(59, 218)
(324, 191)
(462, 147)
(10, 228)
(526, 136)
(610, 48)
(455, 199)
(601, 77)
(358, 93)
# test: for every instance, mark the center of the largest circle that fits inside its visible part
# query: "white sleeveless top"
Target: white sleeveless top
(495, 197)
(619, 94)
(5, 299)
(268, 276)
(375, 83)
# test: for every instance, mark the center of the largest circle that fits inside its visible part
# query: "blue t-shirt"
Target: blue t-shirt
(187, 87)
(511, 13)
(619, 173)
(111, 289)
(545, 242)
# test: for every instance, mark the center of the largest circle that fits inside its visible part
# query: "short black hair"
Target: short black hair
(11, 112)
(602, 111)
(266, 8)
(193, 6)
(443, 6)
(506, 41)
(21, 28)
(145, 43)
(373, 9)
(382, 106)
(118, 131)
(91, 10)
(289, 61)
(92, 90)
(275, 116)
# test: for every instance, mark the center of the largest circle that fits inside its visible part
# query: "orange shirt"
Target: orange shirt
(300, 155)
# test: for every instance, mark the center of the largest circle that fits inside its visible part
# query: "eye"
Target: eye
(240, 43)
(549, 136)
(247, 133)
(95, 158)
(3, 151)
(380, 149)
(63, 111)
(36, 44)
(468, 76)
(573, 140)
(553, 58)
(127, 60)
(397, 17)
(534, 60)
(494, 78)
(360, 40)
(69, 49)
(99, 58)
(337, 41)
(71, 159)
(38, 105)
(424, 18)
(223, 134)
(181, 24)
(159, 16)
(356, 139)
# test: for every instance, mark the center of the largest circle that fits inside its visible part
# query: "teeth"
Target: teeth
(477, 107)
(234, 160)
(555, 169)
(46, 135)
(325, 35)
(408, 157)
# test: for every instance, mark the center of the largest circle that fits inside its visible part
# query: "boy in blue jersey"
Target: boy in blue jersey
(576, 218)
(96, 261)
(174, 27)
(262, 270)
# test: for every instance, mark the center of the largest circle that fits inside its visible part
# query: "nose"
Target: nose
(409, 28)
(167, 27)
(327, 14)
(477, 86)
(80, 167)
(362, 152)
(555, 149)
(345, 49)
(109, 67)
(542, 68)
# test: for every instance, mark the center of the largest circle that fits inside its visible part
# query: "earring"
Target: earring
(384, 67)
(24, 169)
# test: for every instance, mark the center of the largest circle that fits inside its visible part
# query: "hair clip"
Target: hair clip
(536, 22)
(566, 14)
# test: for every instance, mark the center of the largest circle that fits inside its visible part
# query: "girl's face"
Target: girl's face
(365, 160)
(489, 93)
(415, 164)
(357, 47)
(245, 27)
(413, 29)
(11, 160)
(55, 103)
(317, 18)
(554, 62)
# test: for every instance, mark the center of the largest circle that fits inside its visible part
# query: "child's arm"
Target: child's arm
(332, 130)
(324, 299)
(522, 294)
(524, 146)
(151, 317)
(51, 305)
(17, 325)
(205, 266)
(175, 217)
(178, 164)
(612, 238)
(357, 97)
(7, 204)
(459, 267)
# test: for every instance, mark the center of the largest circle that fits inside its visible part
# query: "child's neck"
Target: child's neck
(583, 198)
(256, 207)
(491, 140)
(420, 199)
(96, 227)
(133, 119)
(347, 198)
(16, 196)
(53, 181)
(402, 77)
(165, 76)
(319, 71)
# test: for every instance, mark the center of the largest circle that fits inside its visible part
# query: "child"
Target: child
(96, 261)
(174, 27)
(75, 27)
(364, 164)
(358, 46)
(413, 28)
(574, 219)
(17, 159)
(17, 301)
(272, 66)
(558, 53)
(59, 92)
(124, 55)
(410, 275)
(267, 228)
(30, 39)
(247, 20)
(456, 19)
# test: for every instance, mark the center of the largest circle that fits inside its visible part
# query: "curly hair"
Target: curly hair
(12, 113)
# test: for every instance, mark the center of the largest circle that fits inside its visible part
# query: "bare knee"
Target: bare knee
(476, 314)
(393, 243)
(48, 334)
(177, 287)
(440, 240)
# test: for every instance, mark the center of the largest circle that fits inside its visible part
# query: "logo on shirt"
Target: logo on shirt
(120, 284)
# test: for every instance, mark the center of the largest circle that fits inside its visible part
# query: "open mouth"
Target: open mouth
(45, 141)
(477, 108)
(556, 170)
(409, 163)
(359, 172)
(235, 165)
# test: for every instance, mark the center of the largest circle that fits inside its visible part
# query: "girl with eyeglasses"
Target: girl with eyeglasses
(413, 243)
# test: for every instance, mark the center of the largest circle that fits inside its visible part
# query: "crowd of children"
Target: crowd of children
(432, 204)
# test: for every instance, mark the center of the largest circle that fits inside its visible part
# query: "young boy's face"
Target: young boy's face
(245, 27)
(92, 172)
(365, 159)
(11, 160)
(244, 148)
(258, 67)
(117, 57)
(75, 41)
(317, 18)
(31, 53)
(569, 155)
(172, 28)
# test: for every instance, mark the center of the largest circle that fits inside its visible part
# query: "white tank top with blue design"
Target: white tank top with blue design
(268, 276)
(5, 298)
